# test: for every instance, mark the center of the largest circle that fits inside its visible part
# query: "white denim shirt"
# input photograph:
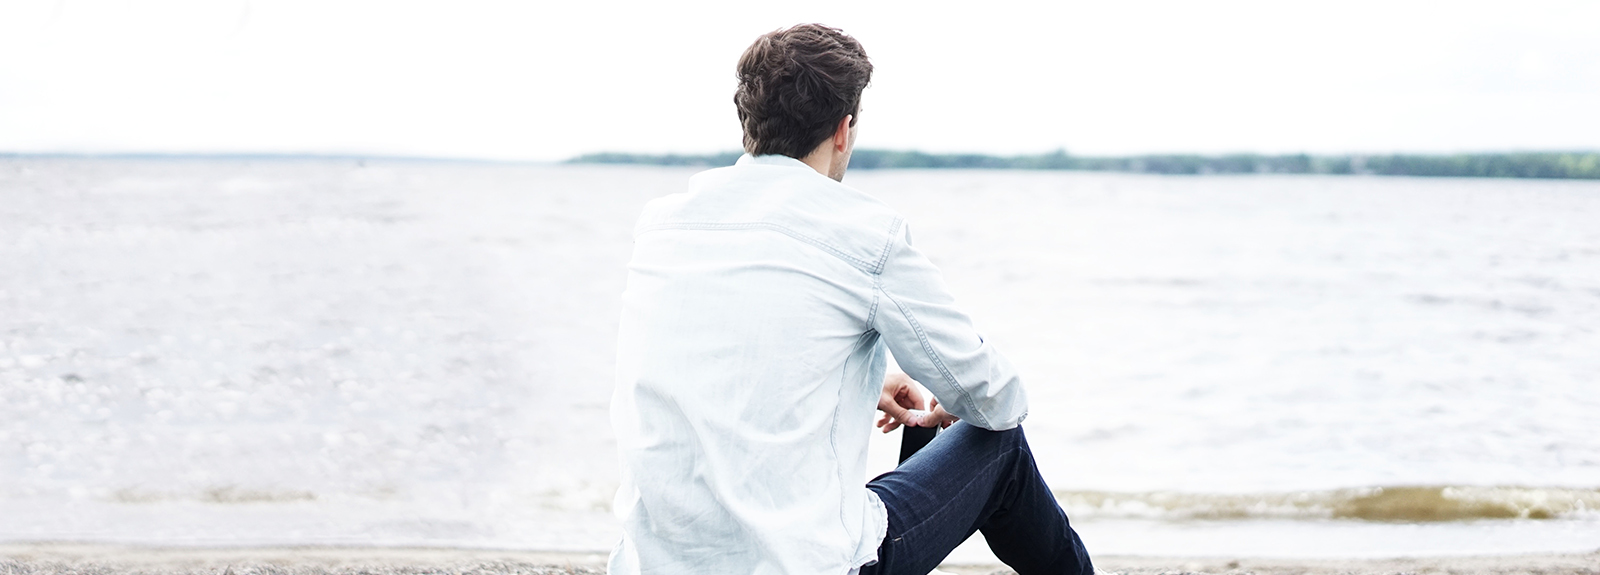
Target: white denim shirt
(750, 358)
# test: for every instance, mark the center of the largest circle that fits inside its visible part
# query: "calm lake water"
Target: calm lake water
(234, 352)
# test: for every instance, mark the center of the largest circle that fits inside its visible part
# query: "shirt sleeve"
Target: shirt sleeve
(936, 344)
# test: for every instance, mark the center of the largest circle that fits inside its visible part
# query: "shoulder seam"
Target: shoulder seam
(883, 254)
(877, 287)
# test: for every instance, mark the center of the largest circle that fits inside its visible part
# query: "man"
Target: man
(751, 355)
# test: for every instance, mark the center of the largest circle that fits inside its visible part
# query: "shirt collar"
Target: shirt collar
(771, 160)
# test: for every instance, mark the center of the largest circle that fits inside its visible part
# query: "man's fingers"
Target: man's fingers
(893, 410)
(919, 418)
(887, 424)
(902, 390)
(901, 403)
(941, 418)
(908, 397)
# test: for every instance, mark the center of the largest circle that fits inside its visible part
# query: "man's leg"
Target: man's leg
(967, 480)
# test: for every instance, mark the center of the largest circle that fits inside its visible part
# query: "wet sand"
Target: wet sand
(92, 559)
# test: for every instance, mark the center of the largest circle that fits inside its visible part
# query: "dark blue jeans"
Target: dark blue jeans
(971, 479)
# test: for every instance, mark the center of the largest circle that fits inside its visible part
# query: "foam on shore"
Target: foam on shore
(1395, 503)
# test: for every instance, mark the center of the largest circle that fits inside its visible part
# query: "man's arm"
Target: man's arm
(936, 344)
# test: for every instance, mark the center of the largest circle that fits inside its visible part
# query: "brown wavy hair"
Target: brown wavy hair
(795, 84)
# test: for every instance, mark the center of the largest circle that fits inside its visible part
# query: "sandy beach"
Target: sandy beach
(92, 559)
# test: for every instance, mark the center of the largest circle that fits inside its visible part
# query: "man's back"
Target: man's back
(759, 312)
(748, 373)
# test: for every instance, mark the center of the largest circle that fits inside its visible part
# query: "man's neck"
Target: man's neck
(821, 160)
(832, 156)
(828, 162)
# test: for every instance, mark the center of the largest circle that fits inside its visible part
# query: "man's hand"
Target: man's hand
(901, 404)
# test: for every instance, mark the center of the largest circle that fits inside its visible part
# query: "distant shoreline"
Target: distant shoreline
(1543, 165)
(1532, 165)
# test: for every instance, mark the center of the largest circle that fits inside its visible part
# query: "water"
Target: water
(231, 352)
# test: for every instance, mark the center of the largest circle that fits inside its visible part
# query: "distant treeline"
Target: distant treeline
(1581, 165)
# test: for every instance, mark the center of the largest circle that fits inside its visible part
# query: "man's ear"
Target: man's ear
(841, 134)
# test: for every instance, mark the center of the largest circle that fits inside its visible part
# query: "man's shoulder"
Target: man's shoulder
(799, 203)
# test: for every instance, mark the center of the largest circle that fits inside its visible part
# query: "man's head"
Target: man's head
(798, 87)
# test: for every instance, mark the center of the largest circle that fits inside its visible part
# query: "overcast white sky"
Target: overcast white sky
(549, 80)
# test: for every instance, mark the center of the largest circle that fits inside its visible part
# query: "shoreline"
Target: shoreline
(109, 559)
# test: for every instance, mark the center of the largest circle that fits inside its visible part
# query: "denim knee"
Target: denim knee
(1013, 438)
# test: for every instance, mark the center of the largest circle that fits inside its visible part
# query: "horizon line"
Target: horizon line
(401, 157)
